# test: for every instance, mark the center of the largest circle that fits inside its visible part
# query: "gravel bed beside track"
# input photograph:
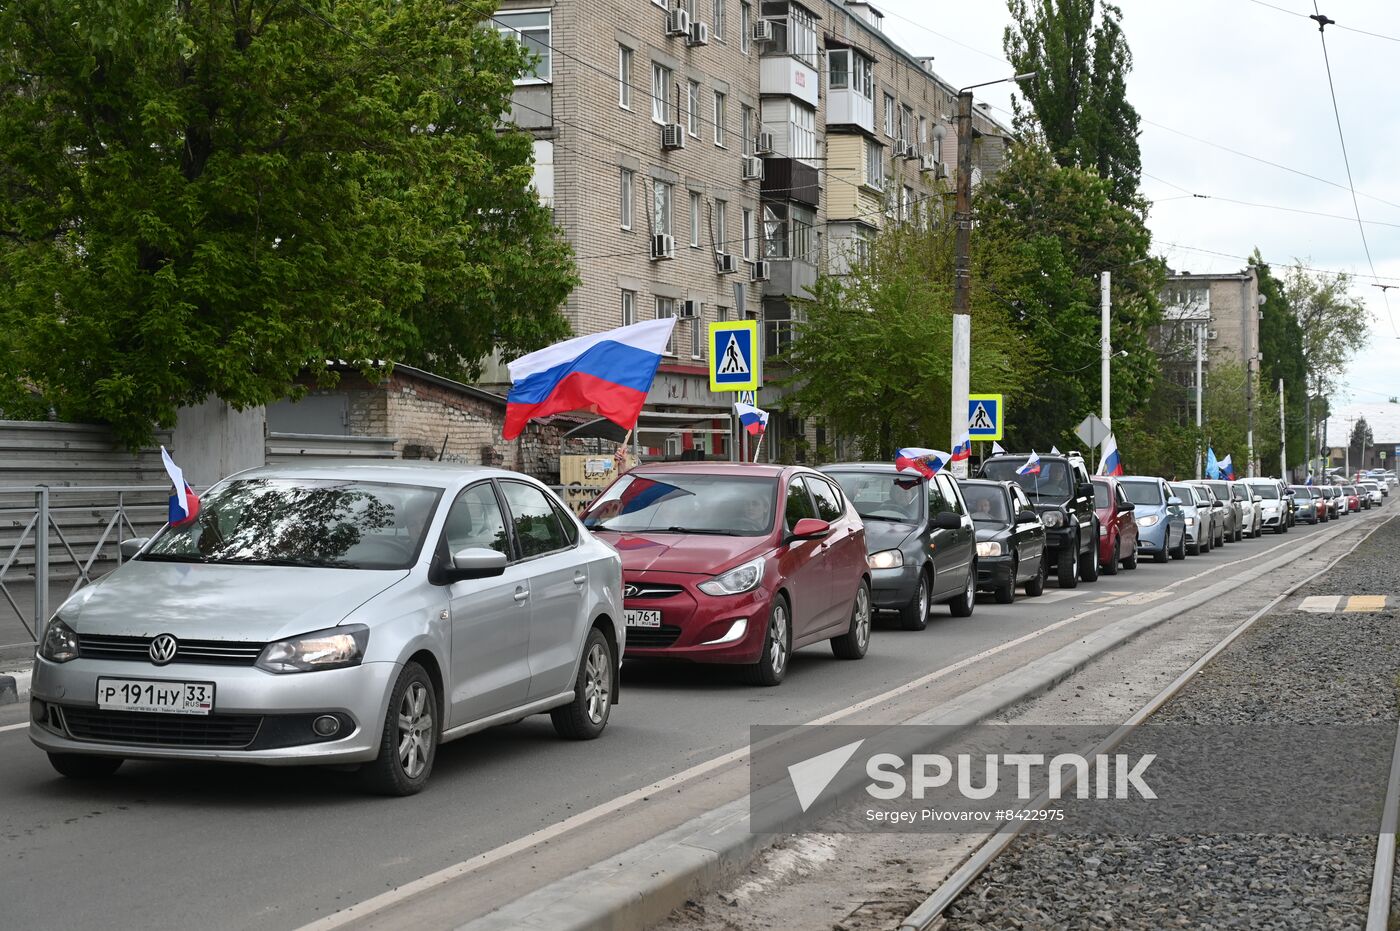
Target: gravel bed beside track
(1291, 667)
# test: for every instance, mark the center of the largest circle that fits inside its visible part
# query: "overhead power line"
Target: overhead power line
(1363, 32)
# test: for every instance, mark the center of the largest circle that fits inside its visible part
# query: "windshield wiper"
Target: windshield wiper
(893, 520)
(284, 561)
(712, 533)
(170, 557)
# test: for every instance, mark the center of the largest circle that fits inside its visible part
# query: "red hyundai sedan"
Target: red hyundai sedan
(736, 563)
(1118, 530)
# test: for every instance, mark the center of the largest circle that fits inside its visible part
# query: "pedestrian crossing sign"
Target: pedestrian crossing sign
(734, 356)
(984, 416)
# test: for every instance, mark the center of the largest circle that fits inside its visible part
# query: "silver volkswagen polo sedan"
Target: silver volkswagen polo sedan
(336, 613)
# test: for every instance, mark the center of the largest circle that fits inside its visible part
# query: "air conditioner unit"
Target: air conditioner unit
(763, 31)
(752, 168)
(699, 34)
(1211, 334)
(678, 23)
(911, 151)
(928, 163)
(726, 262)
(945, 170)
(763, 143)
(760, 270)
(673, 136)
(689, 310)
(663, 246)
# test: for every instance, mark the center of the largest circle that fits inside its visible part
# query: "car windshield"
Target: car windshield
(1142, 492)
(303, 522)
(681, 502)
(1221, 489)
(986, 503)
(1053, 481)
(1238, 493)
(1350, 489)
(884, 495)
(1267, 492)
(1101, 495)
(1186, 494)
(1300, 491)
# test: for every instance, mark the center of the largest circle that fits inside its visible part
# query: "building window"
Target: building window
(906, 125)
(889, 116)
(629, 308)
(696, 341)
(692, 108)
(746, 128)
(874, 164)
(804, 233)
(861, 246)
(923, 134)
(717, 27)
(721, 314)
(775, 244)
(838, 68)
(694, 218)
(906, 206)
(802, 35)
(628, 197)
(532, 31)
(660, 87)
(788, 232)
(745, 26)
(851, 70)
(721, 102)
(666, 307)
(624, 77)
(747, 219)
(936, 148)
(804, 131)
(721, 226)
(661, 208)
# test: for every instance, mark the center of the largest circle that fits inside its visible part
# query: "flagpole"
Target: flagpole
(759, 448)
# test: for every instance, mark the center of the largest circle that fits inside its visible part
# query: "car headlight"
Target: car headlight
(1149, 520)
(736, 581)
(990, 548)
(1053, 518)
(60, 643)
(885, 559)
(333, 648)
(1190, 521)
(1103, 531)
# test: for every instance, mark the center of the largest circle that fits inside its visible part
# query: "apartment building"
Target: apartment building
(1223, 311)
(708, 158)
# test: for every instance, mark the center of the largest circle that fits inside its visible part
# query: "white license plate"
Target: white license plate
(155, 696)
(643, 618)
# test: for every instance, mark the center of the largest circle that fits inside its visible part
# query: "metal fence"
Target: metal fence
(56, 539)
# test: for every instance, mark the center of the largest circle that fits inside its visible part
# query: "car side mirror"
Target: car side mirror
(1217, 503)
(1127, 507)
(1086, 489)
(474, 562)
(1256, 499)
(1174, 502)
(129, 548)
(809, 528)
(1027, 517)
(947, 520)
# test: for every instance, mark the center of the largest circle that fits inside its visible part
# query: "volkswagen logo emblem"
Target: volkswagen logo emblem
(163, 649)
(631, 591)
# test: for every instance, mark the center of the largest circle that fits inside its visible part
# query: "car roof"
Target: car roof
(750, 469)
(862, 467)
(388, 471)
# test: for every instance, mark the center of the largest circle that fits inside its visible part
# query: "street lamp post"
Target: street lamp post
(962, 281)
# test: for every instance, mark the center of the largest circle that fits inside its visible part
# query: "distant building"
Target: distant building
(1383, 420)
(1221, 312)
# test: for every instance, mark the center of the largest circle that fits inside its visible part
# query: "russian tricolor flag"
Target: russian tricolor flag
(1112, 463)
(1031, 466)
(608, 373)
(927, 462)
(753, 420)
(963, 450)
(184, 504)
(1227, 466)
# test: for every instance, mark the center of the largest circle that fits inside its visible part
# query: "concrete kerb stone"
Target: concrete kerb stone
(641, 886)
(14, 686)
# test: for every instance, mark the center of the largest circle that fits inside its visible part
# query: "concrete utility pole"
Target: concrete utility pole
(1105, 350)
(1282, 437)
(1249, 314)
(1200, 354)
(1308, 427)
(962, 281)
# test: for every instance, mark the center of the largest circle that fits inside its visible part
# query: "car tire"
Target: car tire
(1089, 568)
(1006, 594)
(83, 766)
(413, 709)
(1132, 561)
(1111, 567)
(1164, 554)
(1239, 535)
(963, 605)
(914, 615)
(1067, 571)
(772, 664)
(1036, 586)
(1180, 551)
(856, 640)
(585, 717)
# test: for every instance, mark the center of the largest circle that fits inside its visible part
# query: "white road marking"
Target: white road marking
(1320, 604)
(13, 727)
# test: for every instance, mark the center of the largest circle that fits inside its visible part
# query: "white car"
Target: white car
(1373, 491)
(1273, 507)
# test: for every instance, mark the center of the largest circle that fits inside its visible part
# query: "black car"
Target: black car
(1010, 538)
(1064, 498)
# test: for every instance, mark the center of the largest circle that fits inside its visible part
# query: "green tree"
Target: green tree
(1058, 228)
(882, 335)
(1333, 324)
(1078, 97)
(1226, 416)
(206, 198)
(1362, 441)
(1281, 343)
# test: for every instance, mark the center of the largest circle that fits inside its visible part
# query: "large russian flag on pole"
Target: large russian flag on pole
(1112, 462)
(927, 462)
(607, 373)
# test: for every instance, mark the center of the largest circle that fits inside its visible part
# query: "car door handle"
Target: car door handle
(521, 595)
(580, 578)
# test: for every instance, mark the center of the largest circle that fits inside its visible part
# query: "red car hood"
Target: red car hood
(695, 554)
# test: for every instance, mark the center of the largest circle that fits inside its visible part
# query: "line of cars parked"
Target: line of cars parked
(363, 614)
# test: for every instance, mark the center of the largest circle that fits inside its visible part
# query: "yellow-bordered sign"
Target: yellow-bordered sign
(985, 416)
(734, 356)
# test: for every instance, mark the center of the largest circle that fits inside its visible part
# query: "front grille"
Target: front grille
(638, 590)
(203, 652)
(652, 637)
(209, 732)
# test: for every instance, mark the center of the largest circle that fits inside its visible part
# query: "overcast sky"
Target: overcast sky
(1251, 78)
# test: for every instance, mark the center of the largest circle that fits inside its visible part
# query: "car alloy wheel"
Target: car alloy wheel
(773, 658)
(777, 633)
(856, 640)
(586, 715)
(415, 730)
(597, 683)
(408, 737)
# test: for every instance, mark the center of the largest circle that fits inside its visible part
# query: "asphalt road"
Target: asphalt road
(224, 846)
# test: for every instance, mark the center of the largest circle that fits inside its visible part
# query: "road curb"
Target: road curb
(642, 885)
(14, 686)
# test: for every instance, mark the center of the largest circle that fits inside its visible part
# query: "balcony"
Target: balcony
(789, 77)
(850, 108)
(790, 179)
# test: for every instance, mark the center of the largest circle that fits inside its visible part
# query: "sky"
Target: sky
(1245, 75)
